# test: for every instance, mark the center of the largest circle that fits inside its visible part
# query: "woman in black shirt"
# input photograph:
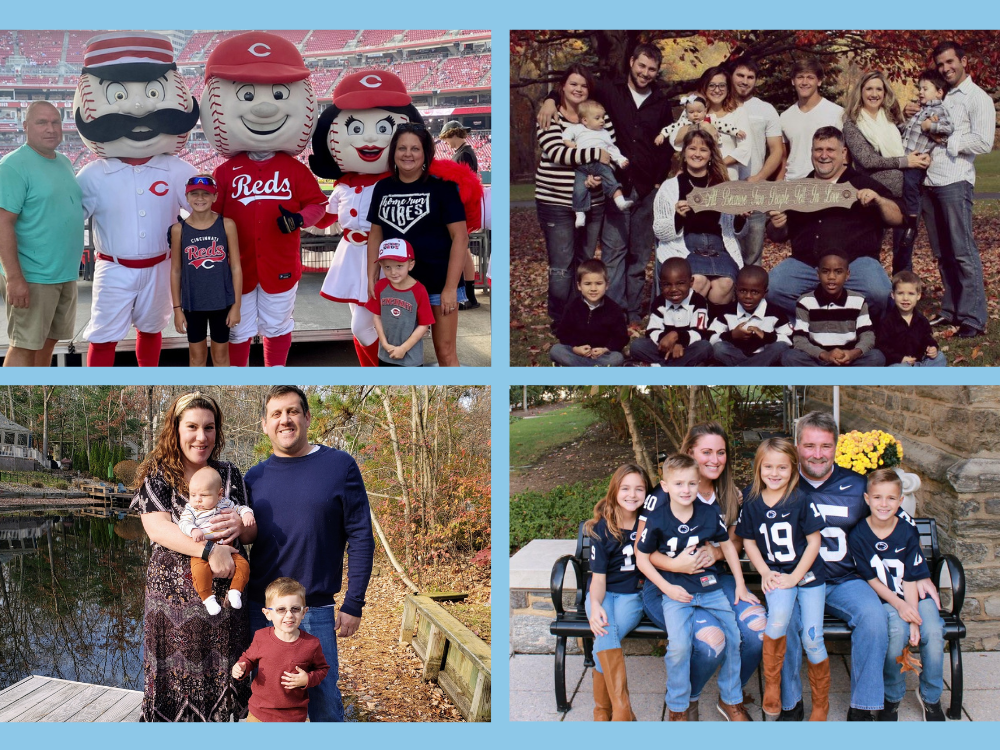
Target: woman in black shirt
(427, 212)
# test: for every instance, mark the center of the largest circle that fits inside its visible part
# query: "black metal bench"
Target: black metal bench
(573, 623)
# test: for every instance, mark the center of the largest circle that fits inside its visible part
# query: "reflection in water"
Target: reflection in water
(71, 598)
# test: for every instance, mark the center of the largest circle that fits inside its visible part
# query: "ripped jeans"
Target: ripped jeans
(812, 604)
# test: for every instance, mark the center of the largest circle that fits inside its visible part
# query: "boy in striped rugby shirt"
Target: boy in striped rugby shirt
(748, 332)
(832, 325)
(676, 334)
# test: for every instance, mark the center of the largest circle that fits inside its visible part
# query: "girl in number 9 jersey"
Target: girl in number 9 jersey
(614, 602)
(779, 523)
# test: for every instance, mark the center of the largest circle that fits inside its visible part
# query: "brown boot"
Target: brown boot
(774, 658)
(613, 664)
(602, 700)
(692, 712)
(733, 712)
(681, 715)
(819, 681)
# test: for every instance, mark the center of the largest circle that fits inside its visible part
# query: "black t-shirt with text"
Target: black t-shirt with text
(892, 560)
(780, 532)
(615, 559)
(665, 533)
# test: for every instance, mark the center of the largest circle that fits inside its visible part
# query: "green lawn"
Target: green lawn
(988, 173)
(522, 192)
(531, 438)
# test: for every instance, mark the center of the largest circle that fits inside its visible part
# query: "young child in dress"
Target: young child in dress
(288, 660)
(778, 521)
(206, 499)
(696, 115)
(676, 332)
(931, 119)
(746, 332)
(590, 133)
(614, 599)
(904, 336)
(204, 272)
(887, 554)
(592, 331)
(685, 523)
(401, 307)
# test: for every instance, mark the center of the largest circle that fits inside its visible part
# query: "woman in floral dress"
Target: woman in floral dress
(187, 652)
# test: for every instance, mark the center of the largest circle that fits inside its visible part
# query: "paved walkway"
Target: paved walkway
(532, 697)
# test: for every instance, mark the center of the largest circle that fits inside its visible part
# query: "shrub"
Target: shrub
(62, 486)
(37, 484)
(555, 514)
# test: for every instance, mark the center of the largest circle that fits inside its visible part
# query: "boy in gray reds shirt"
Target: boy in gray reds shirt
(401, 308)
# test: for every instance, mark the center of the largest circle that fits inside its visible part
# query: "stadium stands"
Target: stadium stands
(376, 38)
(195, 46)
(328, 41)
(76, 43)
(420, 35)
(462, 72)
(41, 47)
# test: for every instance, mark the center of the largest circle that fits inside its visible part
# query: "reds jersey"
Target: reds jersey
(249, 194)
(134, 206)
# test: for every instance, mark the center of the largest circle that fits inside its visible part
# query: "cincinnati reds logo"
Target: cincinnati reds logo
(252, 49)
(396, 312)
(246, 190)
(377, 81)
(159, 188)
(205, 257)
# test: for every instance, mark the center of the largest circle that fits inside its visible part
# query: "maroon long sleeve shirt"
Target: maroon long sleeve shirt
(272, 657)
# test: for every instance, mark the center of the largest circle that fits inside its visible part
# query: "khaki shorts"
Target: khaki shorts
(51, 314)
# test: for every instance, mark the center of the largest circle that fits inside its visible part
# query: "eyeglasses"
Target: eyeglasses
(282, 611)
(717, 86)
(201, 180)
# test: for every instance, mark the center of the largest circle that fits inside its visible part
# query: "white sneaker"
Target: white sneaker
(581, 220)
(236, 599)
(212, 605)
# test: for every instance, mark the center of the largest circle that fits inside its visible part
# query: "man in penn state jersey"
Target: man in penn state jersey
(839, 494)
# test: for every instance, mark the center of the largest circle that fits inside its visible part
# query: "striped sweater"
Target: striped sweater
(772, 323)
(824, 323)
(689, 318)
(556, 167)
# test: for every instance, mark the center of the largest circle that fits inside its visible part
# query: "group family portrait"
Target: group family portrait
(769, 198)
(798, 550)
(243, 554)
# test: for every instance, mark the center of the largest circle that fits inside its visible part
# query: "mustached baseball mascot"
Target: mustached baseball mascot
(134, 110)
(259, 110)
(351, 145)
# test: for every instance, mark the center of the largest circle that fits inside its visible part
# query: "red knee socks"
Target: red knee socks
(367, 355)
(239, 354)
(147, 348)
(275, 350)
(101, 355)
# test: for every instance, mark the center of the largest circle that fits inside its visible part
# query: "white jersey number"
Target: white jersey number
(835, 549)
(672, 545)
(886, 569)
(628, 551)
(781, 533)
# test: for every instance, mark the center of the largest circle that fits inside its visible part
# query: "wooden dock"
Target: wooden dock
(49, 699)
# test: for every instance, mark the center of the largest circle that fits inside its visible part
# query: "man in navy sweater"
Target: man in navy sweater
(310, 503)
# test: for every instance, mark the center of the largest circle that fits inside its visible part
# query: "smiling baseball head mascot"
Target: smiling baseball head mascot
(259, 110)
(351, 145)
(134, 110)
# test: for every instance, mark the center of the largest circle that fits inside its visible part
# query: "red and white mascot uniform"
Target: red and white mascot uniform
(351, 145)
(134, 110)
(259, 111)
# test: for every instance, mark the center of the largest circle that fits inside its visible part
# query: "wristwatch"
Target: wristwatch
(207, 551)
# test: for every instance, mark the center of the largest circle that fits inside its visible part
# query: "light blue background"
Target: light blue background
(500, 17)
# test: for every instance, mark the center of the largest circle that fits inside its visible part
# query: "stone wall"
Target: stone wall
(951, 439)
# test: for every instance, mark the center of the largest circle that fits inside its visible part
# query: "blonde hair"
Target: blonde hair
(607, 506)
(884, 476)
(778, 445)
(589, 108)
(284, 587)
(854, 103)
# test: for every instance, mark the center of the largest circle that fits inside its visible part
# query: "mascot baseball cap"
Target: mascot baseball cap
(129, 56)
(257, 57)
(395, 250)
(367, 89)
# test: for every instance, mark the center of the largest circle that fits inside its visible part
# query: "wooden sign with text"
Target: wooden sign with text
(807, 194)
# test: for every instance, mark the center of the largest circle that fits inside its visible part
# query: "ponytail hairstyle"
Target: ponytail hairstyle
(607, 506)
(726, 493)
(777, 445)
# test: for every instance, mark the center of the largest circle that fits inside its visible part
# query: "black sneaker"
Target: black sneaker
(932, 711)
(859, 714)
(941, 320)
(795, 714)
(966, 331)
(889, 713)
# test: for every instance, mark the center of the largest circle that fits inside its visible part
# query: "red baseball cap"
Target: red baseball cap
(257, 57)
(395, 250)
(201, 182)
(370, 88)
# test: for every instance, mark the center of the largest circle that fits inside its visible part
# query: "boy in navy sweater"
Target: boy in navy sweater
(592, 331)
(676, 334)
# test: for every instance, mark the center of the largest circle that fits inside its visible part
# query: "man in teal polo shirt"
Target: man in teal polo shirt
(41, 240)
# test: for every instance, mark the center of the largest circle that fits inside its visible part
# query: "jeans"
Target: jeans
(679, 618)
(728, 354)
(902, 256)
(751, 238)
(644, 350)
(792, 278)
(564, 356)
(947, 213)
(627, 244)
(939, 361)
(325, 703)
(931, 653)
(858, 605)
(706, 656)
(624, 612)
(798, 358)
(812, 603)
(912, 180)
(581, 193)
(567, 247)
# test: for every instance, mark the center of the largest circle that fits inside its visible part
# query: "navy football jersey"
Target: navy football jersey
(892, 560)
(655, 501)
(841, 502)
(615, 559)
(780, 532)
(670, 536)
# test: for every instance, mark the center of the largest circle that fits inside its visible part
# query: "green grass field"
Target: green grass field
(531, 438)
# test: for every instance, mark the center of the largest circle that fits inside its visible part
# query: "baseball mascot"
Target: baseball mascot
(134, 110)
(259, 111)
